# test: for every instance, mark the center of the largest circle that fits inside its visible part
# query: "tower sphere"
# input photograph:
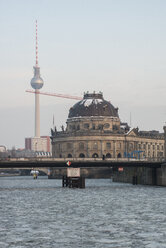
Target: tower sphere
(37, 82)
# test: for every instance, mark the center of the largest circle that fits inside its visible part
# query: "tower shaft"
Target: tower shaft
(37, 114)
(37, 84)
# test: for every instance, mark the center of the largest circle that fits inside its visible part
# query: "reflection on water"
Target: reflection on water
(40, 213)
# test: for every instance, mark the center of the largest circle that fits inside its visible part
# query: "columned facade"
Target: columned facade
(94, 130)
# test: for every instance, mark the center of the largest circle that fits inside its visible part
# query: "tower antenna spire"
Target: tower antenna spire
(36, 47)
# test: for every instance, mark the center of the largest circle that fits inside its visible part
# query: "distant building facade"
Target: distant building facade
(2, 148)
(38, 144)
(94, 130)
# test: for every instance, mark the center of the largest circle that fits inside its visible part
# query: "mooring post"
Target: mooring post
(73, 179)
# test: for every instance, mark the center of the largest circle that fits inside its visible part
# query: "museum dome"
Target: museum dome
(93, 104)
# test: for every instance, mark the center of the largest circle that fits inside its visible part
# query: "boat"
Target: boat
(34, 173)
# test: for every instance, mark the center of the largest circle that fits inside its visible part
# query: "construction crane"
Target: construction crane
(55, 94)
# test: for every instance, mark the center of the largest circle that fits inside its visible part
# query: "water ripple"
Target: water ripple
(40, 213)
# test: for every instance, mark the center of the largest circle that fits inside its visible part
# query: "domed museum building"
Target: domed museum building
(94, 130)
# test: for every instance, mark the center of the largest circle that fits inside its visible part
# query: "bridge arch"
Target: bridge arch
(45, 170)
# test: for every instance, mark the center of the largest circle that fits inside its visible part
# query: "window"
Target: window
(95, 155)
(108, 155)
(93, 126)
(69, 155)
(115, 127)
(131, 146)
(119, 155)
(95, 145)
(69, 145)
(106, 125)
(59, 147)
(100, 127)
(82, 155)
(86, 125)
(108, 145)
(70, 127)
(119, 145)
(81, 145)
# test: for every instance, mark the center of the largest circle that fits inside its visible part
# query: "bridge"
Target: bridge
(126, 170)
(77, 162)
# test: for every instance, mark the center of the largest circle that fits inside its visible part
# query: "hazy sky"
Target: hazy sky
(114, 46)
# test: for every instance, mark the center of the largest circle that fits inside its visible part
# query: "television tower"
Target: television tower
(37, 83)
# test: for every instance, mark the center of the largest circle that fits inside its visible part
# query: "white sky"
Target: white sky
(114, 46)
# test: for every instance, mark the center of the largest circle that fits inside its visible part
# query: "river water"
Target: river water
(40, 213)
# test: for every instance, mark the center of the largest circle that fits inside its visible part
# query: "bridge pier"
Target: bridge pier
(142, 175)
(161, 175)
(135, 180)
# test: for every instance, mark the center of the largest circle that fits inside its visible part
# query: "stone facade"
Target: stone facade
(94, 130)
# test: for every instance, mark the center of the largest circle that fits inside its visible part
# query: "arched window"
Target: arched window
(81, 145)
(95, 155)
(60, 155)
(69, 155)
(82, 155)
(108, 155)
(119, 155)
